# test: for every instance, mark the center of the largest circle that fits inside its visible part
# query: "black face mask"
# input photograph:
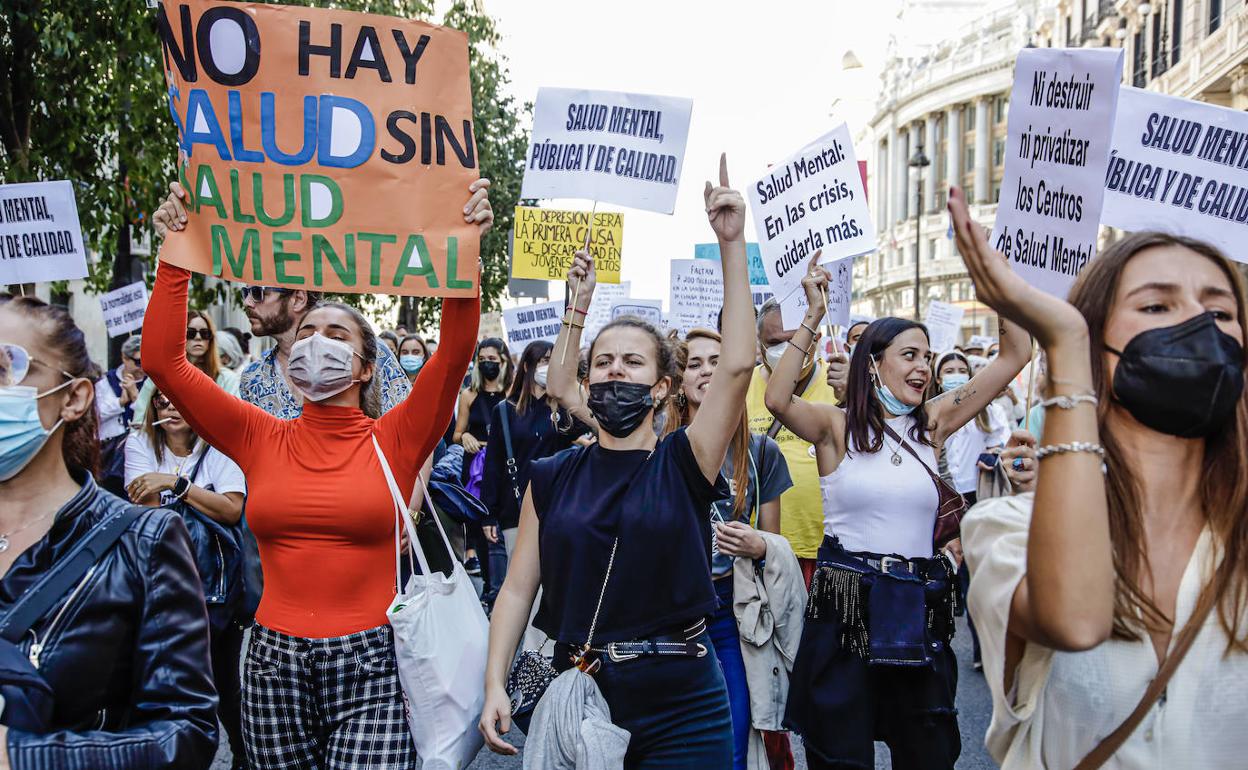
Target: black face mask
(1184, 380)
(489, 370)
(620, 406)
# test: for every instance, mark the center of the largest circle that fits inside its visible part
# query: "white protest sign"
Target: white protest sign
(943, 322)
(124, 308)
(1179, 166)
(982, 341)
(607, 146)
(529, 323)
(1061, 122)
(809, 201)
(793, 307)
(697, 294)
(760, 294)
(40, 239)
(605, 295)
(648, 310)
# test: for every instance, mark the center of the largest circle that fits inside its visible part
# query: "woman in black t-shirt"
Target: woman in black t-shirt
(634, 507)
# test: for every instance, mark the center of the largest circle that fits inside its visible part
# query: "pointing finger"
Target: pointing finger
(723, 169)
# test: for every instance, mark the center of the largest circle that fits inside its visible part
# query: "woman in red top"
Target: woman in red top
(320, 684)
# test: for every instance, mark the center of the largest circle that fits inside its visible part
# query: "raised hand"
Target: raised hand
(171, 215)
(583, 278)
(725, 208)
(1048, 318)
(478, 209)
(815, 284)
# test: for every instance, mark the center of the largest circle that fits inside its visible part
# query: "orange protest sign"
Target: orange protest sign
(321, 149)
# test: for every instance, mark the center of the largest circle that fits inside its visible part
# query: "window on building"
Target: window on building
(931, 249)
(1215, 15)
(1176, 34)
(1159, 60)
(998, 151)
(1139, 71)
(970, 157)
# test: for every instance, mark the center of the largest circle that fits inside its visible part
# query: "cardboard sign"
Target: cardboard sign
(648, 310)
(321, 149)
(1179, 166)
(696, 294)
(546, 240)
(1061, 122)
(944, 323)
(40, 239)
(754, 257)
(124, 308)
(811, 201)
(529, 323)
(607, 146)
(793, 307)
(605, 296)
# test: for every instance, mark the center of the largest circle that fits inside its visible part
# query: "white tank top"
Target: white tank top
(872, 504)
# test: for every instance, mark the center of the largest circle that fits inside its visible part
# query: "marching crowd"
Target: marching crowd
(689, 547)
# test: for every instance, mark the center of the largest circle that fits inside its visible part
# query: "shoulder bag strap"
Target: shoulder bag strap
(49, 589)
(1112, 742)
(906, 446)
(198, 463)
(512, 471)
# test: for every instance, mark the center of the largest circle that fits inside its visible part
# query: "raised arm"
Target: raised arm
(561, 380)
(1066, 600)
(816, 423)
(950, 411)
(717, 420)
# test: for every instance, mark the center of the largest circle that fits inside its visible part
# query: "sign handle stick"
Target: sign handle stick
(827, 318)
(576, 287)
(1031, 390)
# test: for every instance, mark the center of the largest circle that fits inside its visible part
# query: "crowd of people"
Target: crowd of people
(736, 535)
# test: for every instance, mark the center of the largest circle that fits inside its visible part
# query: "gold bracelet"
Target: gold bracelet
(813, 333)
(572, 325)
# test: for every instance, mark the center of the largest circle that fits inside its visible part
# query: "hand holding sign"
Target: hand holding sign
(725, 208)
(171, 215)
(582, 276)
(815, 284)
(477, 209)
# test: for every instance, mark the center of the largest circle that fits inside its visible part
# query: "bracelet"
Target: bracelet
(573, 325)
(575, 309)
(1074, 446)
(813, 333)
(799, 347)
(1069, 402)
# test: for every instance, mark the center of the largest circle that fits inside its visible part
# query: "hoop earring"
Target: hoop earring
(681, 401)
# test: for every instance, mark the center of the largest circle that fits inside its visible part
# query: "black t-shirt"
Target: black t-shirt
(658, 504)
(533, 436)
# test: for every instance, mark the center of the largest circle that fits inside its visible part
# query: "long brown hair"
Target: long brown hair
(212, 359)
(739, 448)
(156, 434)
(80, 447)
(1224, 476)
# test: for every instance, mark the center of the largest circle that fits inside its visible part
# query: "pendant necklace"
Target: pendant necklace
(6, 537)
(896, 458)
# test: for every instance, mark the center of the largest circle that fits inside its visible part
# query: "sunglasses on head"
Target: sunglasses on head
(15, 363)
(256, 293)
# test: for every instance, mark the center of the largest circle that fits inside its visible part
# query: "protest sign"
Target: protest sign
(754, 258)
(124, 308)
(607, 146)
(793, 307)
(980, 341)
(811, 200)
(760, 294)
(529, 323)
(648, 310)
(492, 326)
(321, 149)
(1179, 166)
(605, 296)
(547, 239)
(943, 322)
(40, 239)
(696, 294)
(1060, 125)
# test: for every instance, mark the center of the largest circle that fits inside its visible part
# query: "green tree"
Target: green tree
(82, 97)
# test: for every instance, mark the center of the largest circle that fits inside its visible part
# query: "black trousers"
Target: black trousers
(226, 649)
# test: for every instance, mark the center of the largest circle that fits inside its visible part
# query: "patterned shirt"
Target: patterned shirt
(264, 386)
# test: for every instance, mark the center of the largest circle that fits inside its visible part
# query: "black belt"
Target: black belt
(679, 644)
(893, 565)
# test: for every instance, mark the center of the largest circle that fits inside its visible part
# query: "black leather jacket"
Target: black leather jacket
(126, 653)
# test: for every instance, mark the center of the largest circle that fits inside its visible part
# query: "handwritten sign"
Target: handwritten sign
(530, 323)
(321, 149)
(605, 296)
(696, 294)
(754, 257)
(1061, 122)
(1179, 166)
(793, 307)
(40, 239)
(813, 200)
(980, 341)
(648, 310)
(943, 322)
(124, 308)
(546, 240)
(607, 146)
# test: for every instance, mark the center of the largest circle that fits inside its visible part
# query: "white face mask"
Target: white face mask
(321, 367)
(539, 375)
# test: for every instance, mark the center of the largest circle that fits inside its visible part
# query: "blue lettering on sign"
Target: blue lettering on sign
(758, 276)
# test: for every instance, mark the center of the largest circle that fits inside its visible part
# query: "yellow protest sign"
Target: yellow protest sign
(546, 239)
(321, 149)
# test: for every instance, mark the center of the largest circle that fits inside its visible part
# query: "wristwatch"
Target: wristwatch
(181, 487)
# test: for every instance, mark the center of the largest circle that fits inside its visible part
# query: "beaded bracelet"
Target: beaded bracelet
(813, 333)
(799, 347)
(1074, 446)
(1069, 402)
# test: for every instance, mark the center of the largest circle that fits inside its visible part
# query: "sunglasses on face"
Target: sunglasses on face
(136, 360)
(161, 402)
(15, 363)
(256, 293)
(191, 334)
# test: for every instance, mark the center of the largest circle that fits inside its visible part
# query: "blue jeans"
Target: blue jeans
(675, 708)
(728, 650)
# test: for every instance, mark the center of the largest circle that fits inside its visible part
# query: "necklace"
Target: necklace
(896, 451)
(7, 536)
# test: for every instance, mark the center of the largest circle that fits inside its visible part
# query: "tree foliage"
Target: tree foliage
(82, 97)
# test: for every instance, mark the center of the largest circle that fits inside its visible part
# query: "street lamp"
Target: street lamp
(918, 162)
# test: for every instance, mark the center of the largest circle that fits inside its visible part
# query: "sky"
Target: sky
(765, 79)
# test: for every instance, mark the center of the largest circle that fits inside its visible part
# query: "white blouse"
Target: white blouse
(1064, 703)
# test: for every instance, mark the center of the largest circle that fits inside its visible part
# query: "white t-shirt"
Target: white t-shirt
(963, 448)
(1064, 703)
(108, 409)
(217, 474)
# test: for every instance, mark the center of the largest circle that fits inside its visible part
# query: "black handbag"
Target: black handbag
(218, 553)
(27, 697)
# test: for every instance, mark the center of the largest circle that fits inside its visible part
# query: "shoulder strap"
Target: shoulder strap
(1112, 742)
(49, 589)
(199, 462)
(906, 446)
(512, 471)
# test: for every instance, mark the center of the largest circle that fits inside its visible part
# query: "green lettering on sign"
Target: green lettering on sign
(452, 266)
(322, 250)
(239, 216)
(306, 182)
(423, 267)
(374, 260)
(288, 192)
(207, 191)
(251, 243)
(280, 257)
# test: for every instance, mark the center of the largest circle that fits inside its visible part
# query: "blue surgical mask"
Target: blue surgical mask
(411, 364)
(893, 404)
(22, 434)
(954, 381)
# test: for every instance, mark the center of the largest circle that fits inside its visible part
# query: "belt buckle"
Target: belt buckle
(887, 562)
(620, 657)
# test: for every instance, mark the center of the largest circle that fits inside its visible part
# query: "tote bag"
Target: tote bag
(440, 640)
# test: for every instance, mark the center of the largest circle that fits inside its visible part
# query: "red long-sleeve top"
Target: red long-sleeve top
(317, 500)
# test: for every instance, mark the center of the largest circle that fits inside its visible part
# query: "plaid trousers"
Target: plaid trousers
(324, 704)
